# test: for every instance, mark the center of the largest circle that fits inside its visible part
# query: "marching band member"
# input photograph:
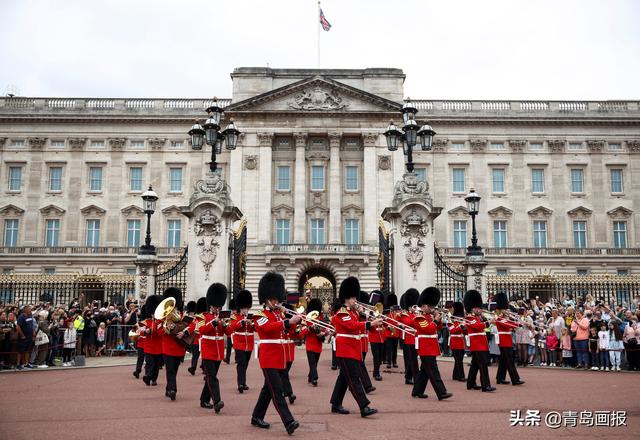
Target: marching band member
(348, 350)
(391, 334)
(505, 328)
(478, 344)
(427, 326)
(457, 343)
(377, 338)
(314, 337)
(364, 345)
(140, 330)
(229, 338)
(173, 350)
(337, 305)
(271, 327)
(290, 352)
(241, 328)
(407, 301)
(153, 342)
(201, 308)
(212, 333)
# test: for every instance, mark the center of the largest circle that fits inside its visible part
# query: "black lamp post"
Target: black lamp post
(149, 199)
(413, 134)
(473, 206)
(210, 133)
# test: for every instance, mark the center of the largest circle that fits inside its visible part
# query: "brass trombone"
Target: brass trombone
(373, 312)
(309, 318)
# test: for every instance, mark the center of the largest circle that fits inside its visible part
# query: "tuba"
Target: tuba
(171, 318)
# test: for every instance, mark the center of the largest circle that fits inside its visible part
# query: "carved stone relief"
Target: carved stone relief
(633, 146)
(517, 145)
(413, 230)
(117, 144)
(595, 145)
(214, 187)
(317, 99)
(208, 229)
(478, 145)
(251, 162)
(37, 143)
(77, 144)
(556, 145)
(157, 143)
(410, 187)
(384, 162)
(440, 144)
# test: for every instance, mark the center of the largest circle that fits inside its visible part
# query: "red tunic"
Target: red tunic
(376, 335)
(407, 319)
(241, 330)
(312, 341)
(456, 336)
(390, 332)
(270, 326)
(153, 344)
(211, 338)
(142, 338)
(477, 335)
(291, 336)
(505, 336)
(349, 331)
(427, 335)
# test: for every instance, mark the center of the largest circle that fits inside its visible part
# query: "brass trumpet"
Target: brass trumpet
(309, 318)
(373, 312)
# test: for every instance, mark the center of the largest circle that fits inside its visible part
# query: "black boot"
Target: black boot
(339, 409)
(366, 411)
(260, 423)
(292, 426)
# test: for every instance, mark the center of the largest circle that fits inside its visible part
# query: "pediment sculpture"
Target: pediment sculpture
(317, 99)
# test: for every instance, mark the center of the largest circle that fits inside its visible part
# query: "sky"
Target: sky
(448, 49)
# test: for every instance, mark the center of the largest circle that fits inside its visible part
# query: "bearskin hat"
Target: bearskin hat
(191, 307)
(244, 299)
(175, 293)
(409, 298)
(144, 314)
(216, 295)
(337, 304)
(376, 297)
(151, 304)
(429, 296)
(315, 305)
(349, 288)
(363, 297)
(201, 305)
(502, 302)
(232, 304)
(458, 309)
(471, 300)
(390, 300)
(271, 286)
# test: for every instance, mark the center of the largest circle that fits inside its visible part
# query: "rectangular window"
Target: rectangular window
(11, 233)
(137, 145)
(178, 145)
(577, 180)
(502, 272)
(283, 231)
(579, 234)
(131, 270)
(17, 144)
(540, 234)
(133, 233)
(575, 146)
(49, 270)
(284, 183)
(351, 178)
(497, 146)
(616, 181)
(173, 233)
(421, 173)
(317, 231)
(537, 180)
(500, 234)
(620, 234)
(57, 144)
(175, 179)
(97, 144)
(55, 179)
(95, 179)
(535, 145)
(457, 146)
(317, 178)
(615, 147)
(582, 272)
(52, 233)
(497, 175)
(135, 179)
(93, 233)
(458, 180)
(352, 231)
(460, 234)
(623, 272)
(15, 178)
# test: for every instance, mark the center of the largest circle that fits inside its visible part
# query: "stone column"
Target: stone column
(335, 189)
(300, 191)
(370, 189)
(474, 269)
(265, 187)
(146, 268)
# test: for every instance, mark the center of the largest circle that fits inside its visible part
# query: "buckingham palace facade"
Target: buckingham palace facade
(559, 180)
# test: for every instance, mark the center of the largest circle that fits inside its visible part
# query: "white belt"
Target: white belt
(504, 333)
(267, 341)
(243, 334)
(418, 337)
(477, 334)
(345, 335)
(456, 336)
(212, 338)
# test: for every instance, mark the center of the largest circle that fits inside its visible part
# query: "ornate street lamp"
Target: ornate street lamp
(210, 134)
(473, 206)
(149, 199)
(411, 134)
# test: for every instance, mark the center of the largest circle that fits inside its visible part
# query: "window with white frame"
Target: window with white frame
(496, 146)
(535, 146)
(95, 179)
(93, 233)
(96, 144)
(317, 231)
(138, 145)
(497, 179)
(579, 234)
(457, 145)
(283, 231)
(615, 147)
(317, 178)
(10, 232)
(575, 146)
(460, 233)
(458, 180)
(55, 178)
(351, 178)
(133, 233)
(15, 143)
(173, 232)
(15, 178)
(500, 233)
(352, 231)
(284, 178)
(178, 145)
(135, 179)
(57, 144)
(577, 180)
(421, 174)
(537, 180)
(175, 180)
(502, 272)
(52, 233)
(617, 184)
(540, 234)
(582, 272)
(620, 234)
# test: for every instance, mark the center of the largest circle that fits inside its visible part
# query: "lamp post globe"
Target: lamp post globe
(149, 200)
(473, 206)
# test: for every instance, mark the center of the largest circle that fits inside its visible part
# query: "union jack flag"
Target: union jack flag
(323, 22)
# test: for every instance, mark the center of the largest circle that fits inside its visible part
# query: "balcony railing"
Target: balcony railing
(82, 250)
(545, 251)
(318, 249)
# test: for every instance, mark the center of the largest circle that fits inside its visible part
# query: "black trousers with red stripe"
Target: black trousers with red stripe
(364, 374)
(152, 364)
(313, 358)
(377, 350)
(429, 372)
(171, 366)
(242, 362)
(286, 382)
(211, 386)
(479, 362)
(349, 377)
(458, 366)
(505, 363)
(410, 362)
(272, 391)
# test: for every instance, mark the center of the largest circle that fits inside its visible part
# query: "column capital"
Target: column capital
(300, 139)
(334, 139)
(369, 139)
(265, 139)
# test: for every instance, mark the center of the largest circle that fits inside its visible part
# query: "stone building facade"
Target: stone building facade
(559, 181)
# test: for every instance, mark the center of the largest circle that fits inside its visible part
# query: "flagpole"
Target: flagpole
(319, 25)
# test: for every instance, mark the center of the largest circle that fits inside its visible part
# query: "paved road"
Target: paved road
(108, 403)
